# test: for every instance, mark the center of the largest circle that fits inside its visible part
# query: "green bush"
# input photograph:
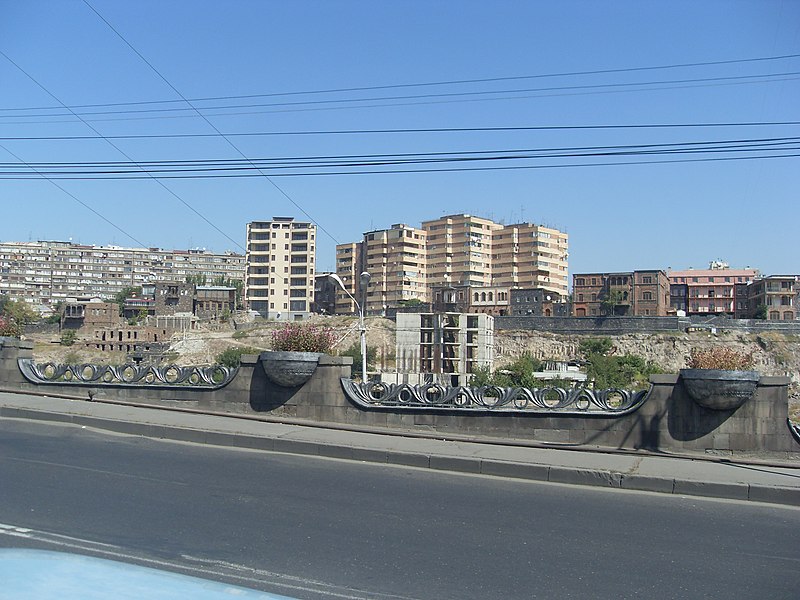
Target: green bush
(68, 337)
(517, 374)
(355, 352)
(232, 357)
(595, 346)
(626, 371)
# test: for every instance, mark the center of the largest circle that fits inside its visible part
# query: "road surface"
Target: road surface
(321, 528)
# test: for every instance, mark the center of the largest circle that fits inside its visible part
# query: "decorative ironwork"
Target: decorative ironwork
(130, 374)
(794, 428)
(545, 401)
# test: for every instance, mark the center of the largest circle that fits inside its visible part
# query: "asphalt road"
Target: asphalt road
(320, 528)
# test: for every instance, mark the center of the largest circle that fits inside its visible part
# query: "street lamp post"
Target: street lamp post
(364, 281)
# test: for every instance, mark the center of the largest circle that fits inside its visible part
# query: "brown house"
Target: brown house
(635, 293)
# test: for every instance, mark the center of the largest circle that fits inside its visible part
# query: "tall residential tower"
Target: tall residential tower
(279, 279)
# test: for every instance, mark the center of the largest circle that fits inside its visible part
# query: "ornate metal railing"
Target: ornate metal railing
(794, 429)
(545, 401)
(127, 375)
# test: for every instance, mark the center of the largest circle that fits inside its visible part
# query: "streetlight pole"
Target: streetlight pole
(364, 281)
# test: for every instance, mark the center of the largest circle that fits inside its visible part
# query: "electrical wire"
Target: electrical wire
(214, 127)
(222, 175)
(81, 202)
(616, 86)
(406, 130)
(424, 84)
(755, 144)
(394, 104)
(118, 149)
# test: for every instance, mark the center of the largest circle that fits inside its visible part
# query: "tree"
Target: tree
(613, 299)
(199, 279)
(14, 315)
(517, 374)
(760, 312)
(68, 337)
(591, 346)
(129, 291)
(411, 302)
(354, 351)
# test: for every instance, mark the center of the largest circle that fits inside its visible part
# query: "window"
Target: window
(580, 297)
(594, 298)
(580, 281)
(647, 279)
(647, 296)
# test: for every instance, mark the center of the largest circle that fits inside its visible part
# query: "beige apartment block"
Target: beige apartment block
(459, 250)
(471, 254)
(778, 294)
(394, 258)
(349, 264)
(280, 262)
(47, 272)
(530, 256)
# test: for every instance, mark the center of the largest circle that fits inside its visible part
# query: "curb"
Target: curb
(456, 464)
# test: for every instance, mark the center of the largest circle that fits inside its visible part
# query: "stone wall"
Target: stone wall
(592, 325)
(668, 421)
(623, 325)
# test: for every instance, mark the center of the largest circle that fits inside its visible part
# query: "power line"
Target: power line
(138, 175)
(393, 104)
(79, 201)
(404, 130)
(752, 144)
(214, 127)
(415, 96)
(422, 84)
(118, 149)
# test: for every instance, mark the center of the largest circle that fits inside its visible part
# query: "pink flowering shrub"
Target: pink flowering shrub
(297, 337)
(9, 327)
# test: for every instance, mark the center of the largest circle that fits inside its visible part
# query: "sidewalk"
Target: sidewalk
(718, 477)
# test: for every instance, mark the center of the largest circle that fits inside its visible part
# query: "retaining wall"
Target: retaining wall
(623, 325)
(667, 421)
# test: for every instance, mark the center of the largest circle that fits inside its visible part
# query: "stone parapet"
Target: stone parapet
(667, 421)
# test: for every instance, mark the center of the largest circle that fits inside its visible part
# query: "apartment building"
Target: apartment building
(778, 294)
(459, 250)
(635, 293)
(280, 262)
(479, 258)
(46, 272)
(395, 259)
(526, 255)
(716, 290)
(349, 265)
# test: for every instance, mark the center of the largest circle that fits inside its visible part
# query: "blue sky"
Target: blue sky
(619, 217)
